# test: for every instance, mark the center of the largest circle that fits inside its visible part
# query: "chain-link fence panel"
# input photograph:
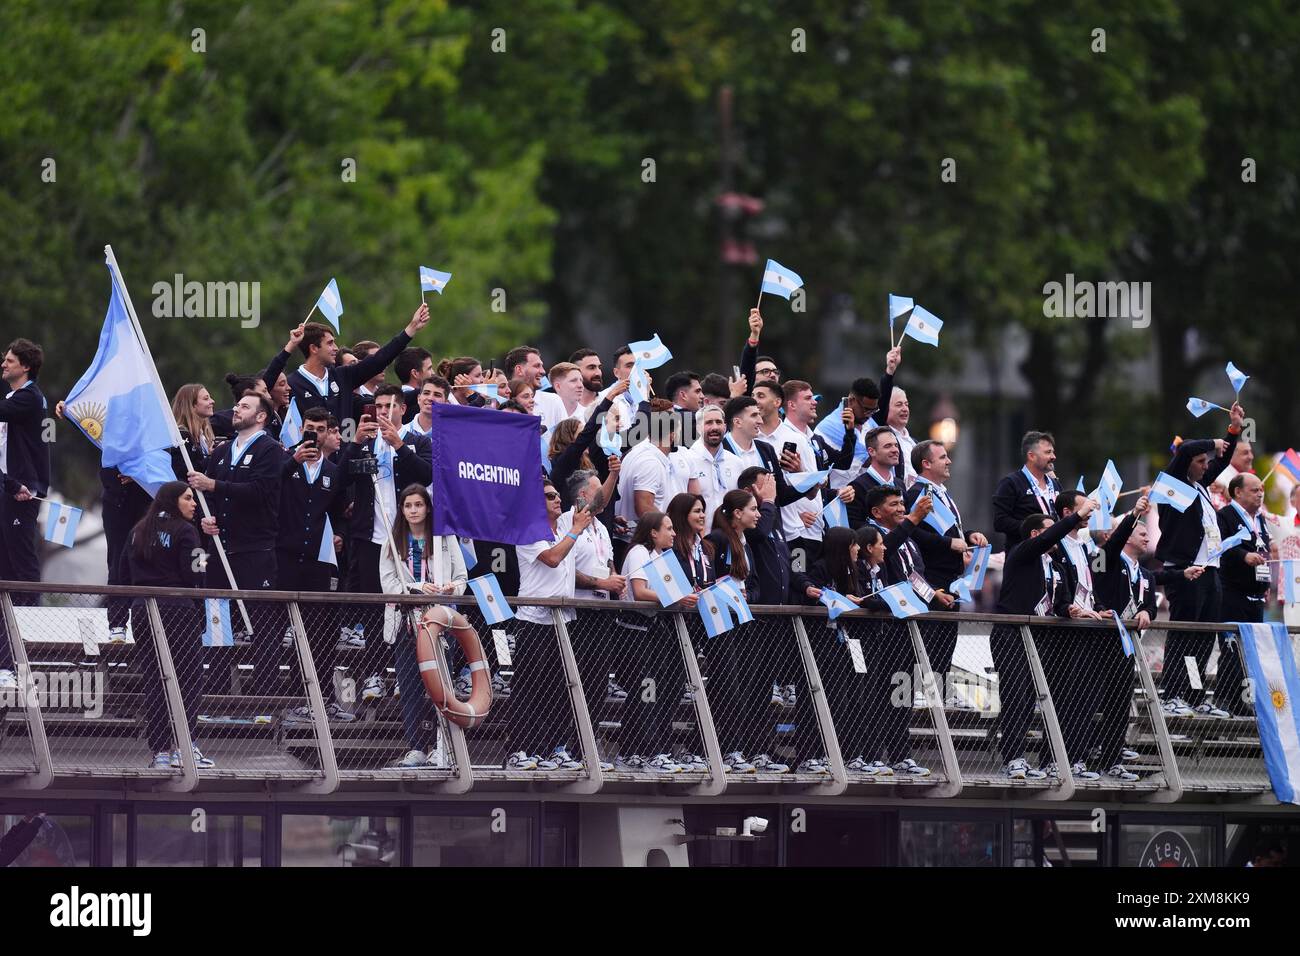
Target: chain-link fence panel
(22, 731)
(642, 705)
(1208, 709)
(1100, 706)
(762, 707)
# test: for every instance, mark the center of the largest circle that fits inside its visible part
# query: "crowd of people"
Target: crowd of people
(704, 469)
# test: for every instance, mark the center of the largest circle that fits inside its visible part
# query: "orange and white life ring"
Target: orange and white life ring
(464, 713)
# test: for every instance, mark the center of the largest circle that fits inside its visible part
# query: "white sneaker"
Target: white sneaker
(1209, 710)
(162, 760)
(663, 764)
(200, 762)
(634, 763)
(882, 769)
(1120, 772)
(117, 635)
(1019, 769)
(548, 763)
(1178, 708)
(1129, 755)
(778, 695)
(691, 763)
(860, 765)
(413, 759)
(335, 712)
(521, 761)
(1078, 769)
(373, 688)
(614, 692)
(287, 640)
(788, 696)
(7, 680)
(763, 763)
(735, 762)
(910, 768)
(297, 715)
(560, 757)
(350, 639)
(814, 765)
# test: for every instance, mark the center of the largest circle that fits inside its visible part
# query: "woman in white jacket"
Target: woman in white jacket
(423, 563)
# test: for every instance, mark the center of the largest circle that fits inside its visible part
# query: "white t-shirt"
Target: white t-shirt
(537, 580)
(644, 468)
(551, 409)
(591, 553)
(717, 477)
(747, 459)
(791, 524)
(683, 467)
(637, 558)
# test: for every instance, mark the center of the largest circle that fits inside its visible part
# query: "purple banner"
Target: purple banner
(487, 475)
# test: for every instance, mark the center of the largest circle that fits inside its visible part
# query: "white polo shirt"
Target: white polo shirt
(718, 475)
(791, 524)
(644, 468)
(591, 553)
(538, 580)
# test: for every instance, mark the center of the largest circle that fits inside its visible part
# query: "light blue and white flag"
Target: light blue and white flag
(1237, 377)
(119, 403)
(806, 480)
(961, 588)
(467, 552)
(665, 576)
(217, 631)
(1199, 406)
(1270, 664)
(899, 306)
(1109, 487)
(1289, 572)
(431, 280)
(486, 389)
(831, 428)
(714, 612)
(1168, 490)
(735, 598)
(1240, 536)
(61, 523)
(291, 427)
(1079, 484)
(326, 554)
(778, 280)
(836, 603)
(923, 326)
(1124, 639)
(650, 353)
(330, 304)
(902, 600)
(835, 514)
(491, 601)
(1101, 520)
(940, 517)
(638, 384)
(546, 451)
(544, 384)
(979, 563)
(611, 445)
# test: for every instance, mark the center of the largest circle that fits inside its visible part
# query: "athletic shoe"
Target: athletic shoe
(397, 691)
(778, 695)
(763, 763)
(735, 762)
(414, 758)
(634, 763)
(297, 715)
(560, 757)
(691, 763)
(1178, 708)
(910, 768)
(7, 680)
(335, 712)
(788, 696)
(117, 635)
(287, 640)
(1119, 772)
(521, 761)
(882, 769)
(1019, 769)
(373, 688)
(814, 765)
(464, 683)
(1078, 769)
(200, 761)
(860, 765)
(614, 692)
(958, 703)
(1129, 755)
(606, 767)
(1209, 710)
(688, 696)
(162, 760)
(499, 686)
(663, 764)
(350, 639)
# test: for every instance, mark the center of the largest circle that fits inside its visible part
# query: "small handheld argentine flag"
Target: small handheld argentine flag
(923, 326)
(1109, 488)
(611, 445)
(979, 563)
(486, 389)
(1241, 536)
(1236, 376)
(291, 428)
(1101, 520)
(1199, 406)
(806, 480)
(1079, 486)
(491, 601)
(665, 575)
(831, 428)
(735, 598)
(940, 517)
(778, 280)
(650, 353)
(431, 280)
(899, 306)
(1168, 490)
(467, 552)
(216, 623)
(638, 384)
(1290, 575)
(835, 514)
(61, 524)
(330, 304)
(902, 600)
(836, 603)
(714, 612)
(1270, 663)
(326, 554)
(961, 588)
(1124, 639)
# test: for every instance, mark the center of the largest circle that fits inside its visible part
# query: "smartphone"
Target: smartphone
(372, 410)
(789, 448)
(309, 439)
(735, 371)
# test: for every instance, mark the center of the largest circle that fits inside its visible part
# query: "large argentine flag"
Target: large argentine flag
(1270, 662)
(1168, 490)
(119, 402)
(778, 280)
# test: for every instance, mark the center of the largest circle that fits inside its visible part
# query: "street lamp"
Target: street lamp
(944, 426)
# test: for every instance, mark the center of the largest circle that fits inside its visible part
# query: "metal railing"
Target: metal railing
(636, 696)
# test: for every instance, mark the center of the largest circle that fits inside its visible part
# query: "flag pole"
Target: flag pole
(889, 314)
(312, 312)
(1270, 473)
(175, 431)
(759, 304)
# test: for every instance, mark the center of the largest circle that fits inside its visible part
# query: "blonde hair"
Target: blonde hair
(187, 419)
(561, 368)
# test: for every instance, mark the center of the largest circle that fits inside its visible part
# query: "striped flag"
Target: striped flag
(1236, 376)
(735, 598)
(961, 588)
(1199, 406)
(326, 554)
(902, 600)
(940, 517)
(650, 353)
(1168, 490)
(923, 326)
(486, 389)
(431, 280)
(979, 563)
(1124, 639)
(899, 306)
(291, 427)
(664, 574)
(714, 612)
(836, 603)
(216, 625)
(638, 384)
(835, 514)
(467, 552)
(778, 280)
(1101, 520)
(330, 304)
(61, 523)
(806, 480)
(831, 428)
(1109, 488)
(1271, 664)
(1290, 462)
(1290, 575)
(492, 602)
(1241, 536)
